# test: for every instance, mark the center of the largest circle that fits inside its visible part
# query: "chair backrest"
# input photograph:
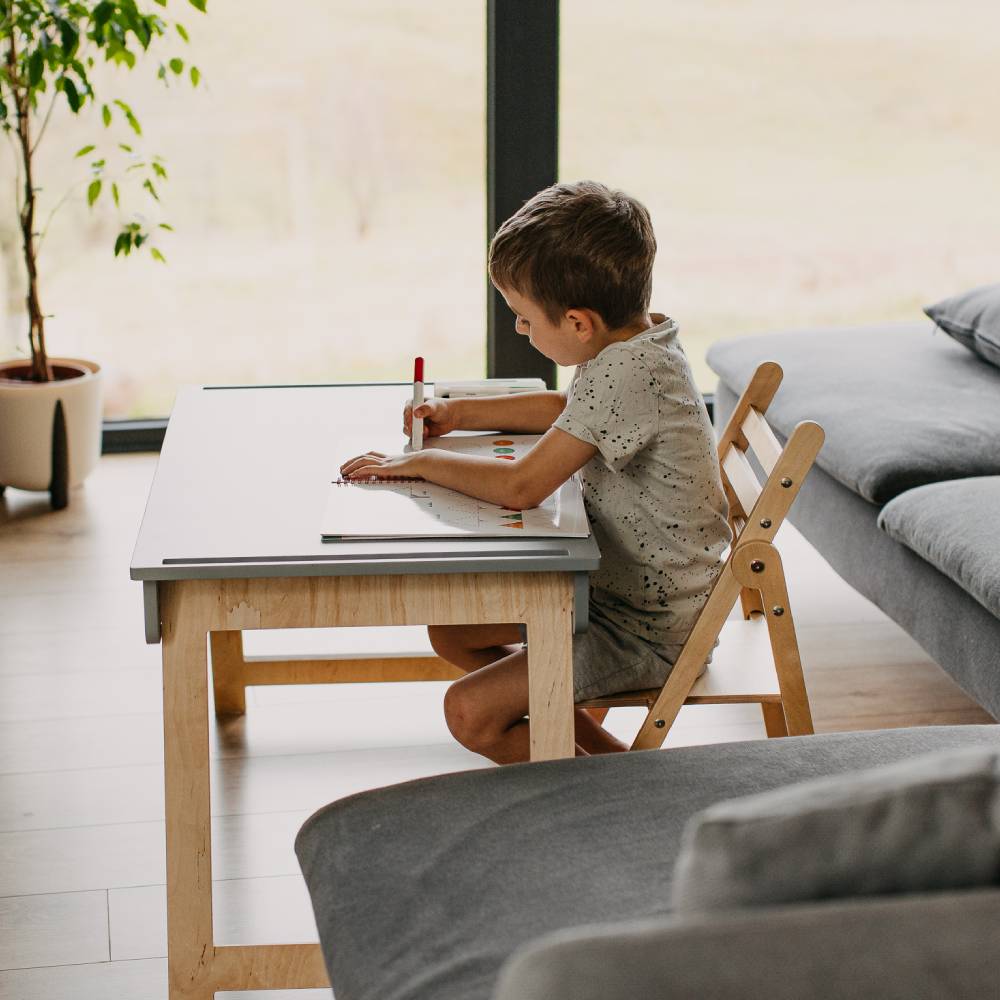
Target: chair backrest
(756, 511)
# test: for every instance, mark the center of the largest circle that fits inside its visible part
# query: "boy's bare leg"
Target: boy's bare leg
(470, 647)
(486, 710)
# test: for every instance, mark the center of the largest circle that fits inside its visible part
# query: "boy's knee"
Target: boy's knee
(465, 721)
(443, 639)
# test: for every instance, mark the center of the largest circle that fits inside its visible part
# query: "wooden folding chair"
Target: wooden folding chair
(757, 660)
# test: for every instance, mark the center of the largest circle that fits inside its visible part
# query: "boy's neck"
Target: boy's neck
(606, 338)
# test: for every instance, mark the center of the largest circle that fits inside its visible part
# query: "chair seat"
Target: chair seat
(742, 670)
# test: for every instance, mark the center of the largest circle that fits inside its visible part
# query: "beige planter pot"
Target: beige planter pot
(35, 454)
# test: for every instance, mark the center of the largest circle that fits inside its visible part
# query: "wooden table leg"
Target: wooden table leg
(228, 673)
(550, 670)
(187, 798)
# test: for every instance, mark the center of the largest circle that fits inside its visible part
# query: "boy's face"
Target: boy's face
(568, 342)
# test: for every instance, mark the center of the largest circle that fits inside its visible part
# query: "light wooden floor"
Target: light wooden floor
(81, 799)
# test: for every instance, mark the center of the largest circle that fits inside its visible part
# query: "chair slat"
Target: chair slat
(741, 478)
(758, 433)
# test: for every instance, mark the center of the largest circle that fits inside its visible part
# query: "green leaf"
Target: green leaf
(166, 225)
(69, 34)
(122, 243)
(97, 165)
(195, 76)
(106, 115)
(36, 66)
(148, 185)
(182, 31)
(72, 96)
(125, 146)
(199, 5)
(93, 191)
(161, 73)
(102, 13)
(157, 255)
(177, 65)
(159, 170)
(84, 150)
(129, 117)
(160, 3)
(114, 194)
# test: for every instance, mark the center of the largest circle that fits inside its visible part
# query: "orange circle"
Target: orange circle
(503, 442)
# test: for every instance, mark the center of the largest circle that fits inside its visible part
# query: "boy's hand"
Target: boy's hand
(440, 416)
(375, 465)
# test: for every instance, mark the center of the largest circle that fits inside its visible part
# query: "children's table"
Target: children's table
(230, 541)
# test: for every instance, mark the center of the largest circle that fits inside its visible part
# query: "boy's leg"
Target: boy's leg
(486, 710)
(470, 647)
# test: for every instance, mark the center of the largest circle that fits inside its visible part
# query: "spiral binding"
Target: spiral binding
(375, 481)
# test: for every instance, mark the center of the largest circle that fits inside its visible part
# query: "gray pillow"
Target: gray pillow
(926, 824)
(973, 319)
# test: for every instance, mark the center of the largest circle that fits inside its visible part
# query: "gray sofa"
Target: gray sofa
(904, 500)
(553, 880)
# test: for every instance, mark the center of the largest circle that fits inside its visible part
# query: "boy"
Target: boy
(575, 266)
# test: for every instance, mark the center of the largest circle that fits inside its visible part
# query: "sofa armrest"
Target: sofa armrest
(907, 947)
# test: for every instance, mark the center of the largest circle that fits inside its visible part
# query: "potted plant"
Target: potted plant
(50, 407)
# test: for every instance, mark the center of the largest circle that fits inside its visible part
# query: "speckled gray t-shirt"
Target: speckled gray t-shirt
(652, 492)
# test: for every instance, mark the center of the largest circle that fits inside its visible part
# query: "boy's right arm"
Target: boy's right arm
(519, 413)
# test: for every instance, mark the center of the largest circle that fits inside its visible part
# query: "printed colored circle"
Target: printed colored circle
(510, 458)
(503, 451)
(503, 442)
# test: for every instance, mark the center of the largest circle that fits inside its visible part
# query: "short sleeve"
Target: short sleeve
(612, 405)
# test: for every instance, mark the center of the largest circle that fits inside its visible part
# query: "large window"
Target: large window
(805, 164)
(327, 190)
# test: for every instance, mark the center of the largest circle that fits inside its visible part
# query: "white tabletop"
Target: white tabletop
(242, 480)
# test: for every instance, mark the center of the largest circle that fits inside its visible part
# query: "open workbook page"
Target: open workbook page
(416, 509)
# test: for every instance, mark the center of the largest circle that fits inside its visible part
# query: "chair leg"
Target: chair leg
(598, 714)
(774, 719)
(760, 563)
(227, 672)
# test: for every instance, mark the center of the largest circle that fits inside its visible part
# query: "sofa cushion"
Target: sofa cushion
(422, 890)
(923, 825)
(973, 319)
(942, 945)
(900, 407)
(954, 526)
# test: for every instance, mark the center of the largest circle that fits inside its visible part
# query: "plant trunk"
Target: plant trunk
(40, 371)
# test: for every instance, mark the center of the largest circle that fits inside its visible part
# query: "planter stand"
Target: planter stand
(59, 486)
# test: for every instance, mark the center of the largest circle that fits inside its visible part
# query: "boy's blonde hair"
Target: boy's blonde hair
(578, 246)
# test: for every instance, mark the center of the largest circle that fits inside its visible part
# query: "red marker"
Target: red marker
(417, 423)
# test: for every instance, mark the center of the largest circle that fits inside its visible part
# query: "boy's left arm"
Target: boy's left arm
(520, 485)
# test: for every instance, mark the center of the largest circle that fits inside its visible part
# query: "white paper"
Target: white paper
(418, 509)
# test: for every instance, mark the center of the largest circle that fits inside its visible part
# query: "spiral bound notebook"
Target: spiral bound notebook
(412, 508)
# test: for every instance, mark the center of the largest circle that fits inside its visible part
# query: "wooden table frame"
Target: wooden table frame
(192, 610)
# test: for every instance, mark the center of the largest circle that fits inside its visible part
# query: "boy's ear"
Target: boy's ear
(585, 323)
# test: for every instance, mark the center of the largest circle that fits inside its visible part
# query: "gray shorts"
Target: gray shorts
(607, 659)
